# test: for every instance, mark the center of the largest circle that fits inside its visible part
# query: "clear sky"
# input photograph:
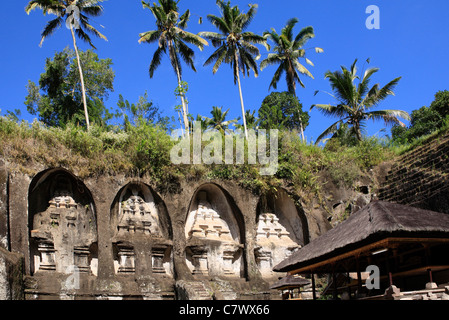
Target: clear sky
(412, 42)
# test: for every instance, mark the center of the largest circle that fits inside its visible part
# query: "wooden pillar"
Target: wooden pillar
(359, 276)
(313, 287)
(390, 274)
(334, 282)
(429, 272)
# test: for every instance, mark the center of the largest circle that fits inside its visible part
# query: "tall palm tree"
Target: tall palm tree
(287, 52)
(172, 37)
(354, 101)
(218, 120)
(235, 45)
(75, 14)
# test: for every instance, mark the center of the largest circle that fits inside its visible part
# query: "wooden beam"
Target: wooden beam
(366, 250)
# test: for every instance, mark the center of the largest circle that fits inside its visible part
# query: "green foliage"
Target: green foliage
(282, 110)
(424, 121)
(144, 111)
(287, 52)
(355, 99)
(57, 100)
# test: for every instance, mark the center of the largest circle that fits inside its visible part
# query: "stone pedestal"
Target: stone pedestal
(263, 260)
(229, 252)
(199, 256)
(47, 254)
(157, 259)
(127, 260)
(81, 257)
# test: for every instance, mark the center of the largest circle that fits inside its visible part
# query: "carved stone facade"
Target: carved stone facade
(213, 249)
(280, 231)
(136, 224)
(64, 233)
(273, 243)
(127, 240)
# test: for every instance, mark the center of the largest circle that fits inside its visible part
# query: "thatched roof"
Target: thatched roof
(375, 221)
(290, 281)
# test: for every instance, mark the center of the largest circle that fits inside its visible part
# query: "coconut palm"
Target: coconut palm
(235, 45)
(287, 53)
(218, 120)
(354, 101)
(75, 14)
(172, 37)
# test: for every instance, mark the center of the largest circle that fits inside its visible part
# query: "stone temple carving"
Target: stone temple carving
(212, 249)
(64, 232)
(273, 243)
(137, 227)
(138, 216)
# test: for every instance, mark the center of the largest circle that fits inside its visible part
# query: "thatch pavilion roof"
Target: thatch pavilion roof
(290, 281)
(378, 220)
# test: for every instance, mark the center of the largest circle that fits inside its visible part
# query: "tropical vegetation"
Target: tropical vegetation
(355, 98)
(172, 39)
(135, 139)
(235, 45)
(75, 14)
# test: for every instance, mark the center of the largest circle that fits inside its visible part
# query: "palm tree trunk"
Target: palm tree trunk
(301, 127)
(83, 89)
(183, 102)
(358, 131)
(184, 106)
(241, 95)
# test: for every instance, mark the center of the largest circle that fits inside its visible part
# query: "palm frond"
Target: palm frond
(303, 36)
(50, 28)
(156, 61)
(149, 36)
(273, 58)
(331, 130)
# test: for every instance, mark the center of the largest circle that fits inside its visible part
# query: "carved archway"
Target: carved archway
(141, 230)
(62, 224)
(215, 234)
(282, 228)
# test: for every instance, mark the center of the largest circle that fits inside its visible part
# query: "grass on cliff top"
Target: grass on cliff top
(144, 150)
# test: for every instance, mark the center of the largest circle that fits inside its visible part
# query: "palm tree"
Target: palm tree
(235, 45)
(287, 52)
(354, 101)
(171, 35)
(76, 14)
(218, 120)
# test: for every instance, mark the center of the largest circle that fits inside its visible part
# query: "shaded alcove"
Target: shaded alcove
(140, 223)
(215, 234)
(62, 224)
(282, 228)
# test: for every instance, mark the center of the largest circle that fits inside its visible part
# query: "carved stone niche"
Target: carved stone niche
(230, 252)
(47, 255)
(137, 213)
(213, 236)
(200, 260)
(160, 259)
(64, 227)
(273, 243)
(263, 260)
(126, 263)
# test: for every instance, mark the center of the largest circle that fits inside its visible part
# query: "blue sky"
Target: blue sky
(412, 42)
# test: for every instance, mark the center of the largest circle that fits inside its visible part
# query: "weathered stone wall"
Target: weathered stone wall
(11, 275)
(3, 206)
(420, 177)
(136, 257)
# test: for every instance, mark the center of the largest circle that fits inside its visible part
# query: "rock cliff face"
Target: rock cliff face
(117, 237)
(420, 178)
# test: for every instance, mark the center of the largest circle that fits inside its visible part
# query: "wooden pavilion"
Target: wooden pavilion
(290, 286)
(410, 247)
